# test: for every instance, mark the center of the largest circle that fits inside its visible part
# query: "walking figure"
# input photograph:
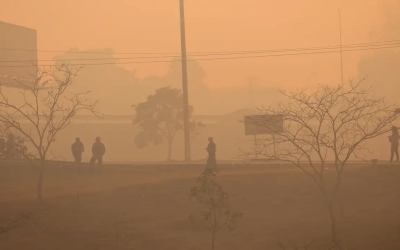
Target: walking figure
(77, 149)
(394, 141)
(98, 151)
(211, 149)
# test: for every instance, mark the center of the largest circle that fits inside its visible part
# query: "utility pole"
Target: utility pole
(341, 50)
(186, 124)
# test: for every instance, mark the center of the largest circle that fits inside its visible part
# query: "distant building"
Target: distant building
(18, 53)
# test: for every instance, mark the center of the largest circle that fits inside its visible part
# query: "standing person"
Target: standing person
(77, 149)
(3, 148)
(211, 149)
(98, 150)
(394, 141)
(10, 147)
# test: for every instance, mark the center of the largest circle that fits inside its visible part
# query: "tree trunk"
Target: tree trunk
(332, 217)
(214, 231)
(169, 149)
(213, 240)
(40, 181)
(215, 225)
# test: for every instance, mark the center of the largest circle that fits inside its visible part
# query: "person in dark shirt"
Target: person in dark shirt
(394, 141)
(98, 151)
(211, 149)
(2, 145)
(77, 149)
(11, 147)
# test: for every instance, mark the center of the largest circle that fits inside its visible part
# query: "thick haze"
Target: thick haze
(106, 161)
(382, 67)
(212, 26)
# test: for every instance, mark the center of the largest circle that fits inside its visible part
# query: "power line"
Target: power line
(314, 48)
(341, 48)
(196, 53)
(215, 53)
(83, 52)
(216, 58)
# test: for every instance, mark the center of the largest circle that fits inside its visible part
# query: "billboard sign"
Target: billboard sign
(18, 54)
(263, 124)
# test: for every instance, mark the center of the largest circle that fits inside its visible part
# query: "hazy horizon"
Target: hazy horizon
(227, 85)
(286, 128)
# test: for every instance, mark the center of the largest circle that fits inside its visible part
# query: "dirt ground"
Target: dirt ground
(147, 208)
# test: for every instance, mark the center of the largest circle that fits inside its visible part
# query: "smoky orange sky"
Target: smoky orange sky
(149, 26)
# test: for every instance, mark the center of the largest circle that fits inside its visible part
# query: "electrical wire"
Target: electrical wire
(212, 54)
(372, 47)
(193, 53)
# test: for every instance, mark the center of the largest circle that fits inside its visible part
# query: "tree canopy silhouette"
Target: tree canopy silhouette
(160, 117)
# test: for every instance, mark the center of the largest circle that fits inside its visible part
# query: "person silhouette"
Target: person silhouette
(211, 149)
(394, 141)
(11, 147)
(77, 149)
(98, 151)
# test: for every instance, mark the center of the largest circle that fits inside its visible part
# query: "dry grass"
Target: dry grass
(150, 206)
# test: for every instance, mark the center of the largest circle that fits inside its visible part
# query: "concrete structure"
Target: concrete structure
(18, 54)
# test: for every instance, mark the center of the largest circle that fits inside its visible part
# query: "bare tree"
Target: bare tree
(333, 123)
(210, 193)
(307, 246)
(11, 223)
(20, 149)
(48, 110)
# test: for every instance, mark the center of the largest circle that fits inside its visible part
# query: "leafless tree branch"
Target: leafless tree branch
(333, 123)
(9, 224)
(48, 110)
